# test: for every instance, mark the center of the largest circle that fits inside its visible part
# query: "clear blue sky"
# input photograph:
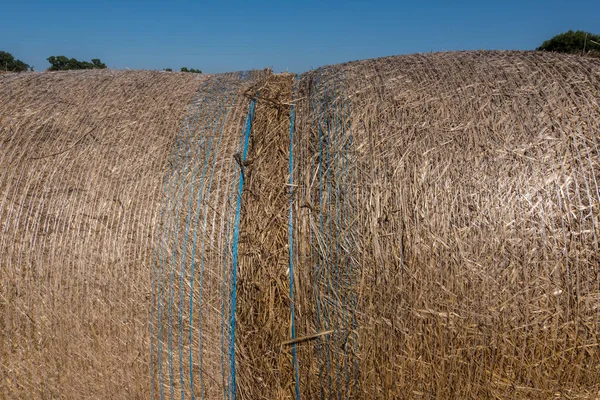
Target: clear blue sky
(219, 36)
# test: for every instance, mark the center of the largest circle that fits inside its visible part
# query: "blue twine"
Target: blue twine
(291, 245)
(225, 291)
(191, 146)
(236, 233)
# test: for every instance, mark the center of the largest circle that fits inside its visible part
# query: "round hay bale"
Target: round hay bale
(439, 231)
(447, 224)
(84, 173)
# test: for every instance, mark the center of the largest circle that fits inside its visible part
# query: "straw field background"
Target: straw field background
(420, 226)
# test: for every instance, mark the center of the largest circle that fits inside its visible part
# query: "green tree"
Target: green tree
(168, 70)
(98, 64)
(572, 42)
(62, 63)
(196, 71)
(8, 63)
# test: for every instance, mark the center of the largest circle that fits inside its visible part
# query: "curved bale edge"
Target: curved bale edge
(82, 159)
(457, 254)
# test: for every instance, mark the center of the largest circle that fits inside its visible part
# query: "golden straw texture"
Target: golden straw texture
(445, 217)
(448, 216)
(82, 159)
(263, 311)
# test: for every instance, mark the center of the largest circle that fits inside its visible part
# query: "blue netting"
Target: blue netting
(335, 272)
(199, 228)
(186, 240)
(156, 327)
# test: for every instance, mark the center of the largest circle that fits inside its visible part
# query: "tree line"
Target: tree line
(567, 42)
(8, 63)
(62, 63)
(573, 42)
(184, 69)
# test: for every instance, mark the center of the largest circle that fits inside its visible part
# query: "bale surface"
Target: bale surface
(445, 214)
(83, 156)
(192, 351)
(447, 224)
(263, 311)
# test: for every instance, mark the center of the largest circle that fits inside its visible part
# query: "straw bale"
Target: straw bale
(445, 217)
(447, 224)
(82, 160)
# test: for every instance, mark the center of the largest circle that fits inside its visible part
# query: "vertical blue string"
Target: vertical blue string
(227, 292)
(236, 233)
(291, 245)
(180, 194)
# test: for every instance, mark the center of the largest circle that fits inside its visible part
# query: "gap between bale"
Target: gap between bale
(263, 311)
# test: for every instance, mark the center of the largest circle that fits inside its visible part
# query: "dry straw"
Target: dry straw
(447, 225)
(446, 215)
(263, 289)
(83, 156)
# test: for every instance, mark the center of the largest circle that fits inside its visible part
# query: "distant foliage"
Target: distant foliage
(8, 63)
(196, 71)
(62, 63)
(168, 69)
(572, 42)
